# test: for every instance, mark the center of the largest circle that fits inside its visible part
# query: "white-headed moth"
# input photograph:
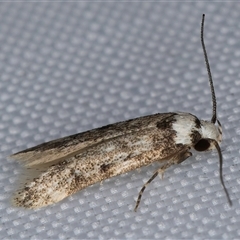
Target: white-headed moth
(64, 166)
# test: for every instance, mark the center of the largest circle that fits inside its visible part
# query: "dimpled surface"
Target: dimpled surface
(70, 67)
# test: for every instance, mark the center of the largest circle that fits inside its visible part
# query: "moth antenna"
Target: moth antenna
(214, 111)
(221, 171)
(214, 102)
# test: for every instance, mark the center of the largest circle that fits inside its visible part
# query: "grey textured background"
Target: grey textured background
(70, 67)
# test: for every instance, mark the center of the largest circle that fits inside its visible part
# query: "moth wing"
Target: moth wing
(101, 161)
(66, 147)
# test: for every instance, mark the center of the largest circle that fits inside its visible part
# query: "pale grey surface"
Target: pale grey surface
(67, 68)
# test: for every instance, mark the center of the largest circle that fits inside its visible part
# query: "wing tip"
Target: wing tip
(18, 200)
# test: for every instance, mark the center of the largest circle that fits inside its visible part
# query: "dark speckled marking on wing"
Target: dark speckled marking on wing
(66, 147)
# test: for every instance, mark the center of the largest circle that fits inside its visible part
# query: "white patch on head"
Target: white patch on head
(184, 126)
(209, 130)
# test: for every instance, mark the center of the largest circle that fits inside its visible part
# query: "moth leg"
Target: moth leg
(182, 156)
(176, 160)
(142, 190)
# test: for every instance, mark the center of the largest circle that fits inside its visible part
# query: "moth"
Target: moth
(61, 167)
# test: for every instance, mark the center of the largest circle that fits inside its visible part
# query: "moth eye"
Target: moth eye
(202, 145)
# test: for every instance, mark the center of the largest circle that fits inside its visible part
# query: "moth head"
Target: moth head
(211, 135)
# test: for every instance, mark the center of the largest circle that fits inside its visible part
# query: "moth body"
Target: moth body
(165, 137)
